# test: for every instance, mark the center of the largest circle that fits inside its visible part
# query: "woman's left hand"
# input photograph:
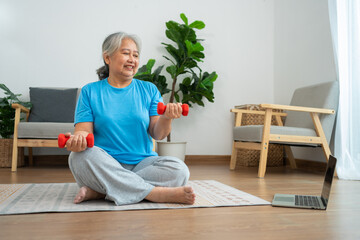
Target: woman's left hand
(173, 111)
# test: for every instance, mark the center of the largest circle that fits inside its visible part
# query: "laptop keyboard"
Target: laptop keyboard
(307, 201)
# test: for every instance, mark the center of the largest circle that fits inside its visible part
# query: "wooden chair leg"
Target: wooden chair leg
(14, 159)
(31, 160)
(263, 160)
(265, 143)
(326, 150)
(233, 157)
(290, 156)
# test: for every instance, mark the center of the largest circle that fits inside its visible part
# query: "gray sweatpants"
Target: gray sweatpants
(123, 183)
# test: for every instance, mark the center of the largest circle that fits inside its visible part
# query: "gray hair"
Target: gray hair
(110, 45)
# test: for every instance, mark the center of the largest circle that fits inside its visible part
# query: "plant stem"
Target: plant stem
(172, 96)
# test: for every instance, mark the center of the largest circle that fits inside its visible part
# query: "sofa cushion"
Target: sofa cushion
(53, 104)
(49, 130)
(253, 133)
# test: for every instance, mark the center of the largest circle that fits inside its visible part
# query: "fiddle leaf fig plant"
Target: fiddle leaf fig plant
(7, 113)
(188, 83)
(186, 53)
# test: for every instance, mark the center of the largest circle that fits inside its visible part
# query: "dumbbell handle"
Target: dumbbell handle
(62, 139)
(161, 108)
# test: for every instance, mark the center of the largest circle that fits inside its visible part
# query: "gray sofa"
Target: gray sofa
(52, 113)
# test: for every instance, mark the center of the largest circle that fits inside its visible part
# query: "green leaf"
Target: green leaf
(145, 69)
(201, 103)
(144, 77)
(158, 70)
(172, 70)
(183, 88)
(190, 63)
(150, 65)
(194, 50)
(187, 33)
(180, 70)
(198, 55)
(186, 81)
(184, 18)
(201, 85)
(187, 100)
(209, 79)
(142, 70)
(197, 24)
(173, 32)
(189, 47)
(175, 53)
(197, 47)
(169, 60)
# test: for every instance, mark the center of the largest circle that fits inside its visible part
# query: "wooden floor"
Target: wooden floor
(340, 221)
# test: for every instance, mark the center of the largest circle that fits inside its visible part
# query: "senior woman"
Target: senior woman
(121, 112)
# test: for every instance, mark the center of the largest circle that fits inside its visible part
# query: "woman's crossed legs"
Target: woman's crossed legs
(157, 179)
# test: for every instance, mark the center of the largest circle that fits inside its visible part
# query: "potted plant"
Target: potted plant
(189, 84)
(7, 115)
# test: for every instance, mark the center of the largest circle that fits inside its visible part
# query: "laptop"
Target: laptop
(304, 201)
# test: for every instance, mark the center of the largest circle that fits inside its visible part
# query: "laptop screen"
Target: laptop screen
(330, 170)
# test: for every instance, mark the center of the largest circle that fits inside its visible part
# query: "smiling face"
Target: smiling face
(124, 63)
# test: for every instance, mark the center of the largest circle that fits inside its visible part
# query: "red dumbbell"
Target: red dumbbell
(162, 107)
(62, 139)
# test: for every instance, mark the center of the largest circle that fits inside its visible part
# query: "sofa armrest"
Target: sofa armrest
(235, 110)
(21, 109)
(297, 108)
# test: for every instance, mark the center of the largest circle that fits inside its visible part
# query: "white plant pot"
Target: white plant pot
(174, 149)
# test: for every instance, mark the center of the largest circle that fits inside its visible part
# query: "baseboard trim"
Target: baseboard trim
(62, 160)
(207, 159)
(48, 160)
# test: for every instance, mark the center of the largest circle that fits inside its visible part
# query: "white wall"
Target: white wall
(48, 43)
(261, 49)
(303, 53)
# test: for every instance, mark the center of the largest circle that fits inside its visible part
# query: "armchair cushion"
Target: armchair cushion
(253, 133)
(53, 104)
(43, 130)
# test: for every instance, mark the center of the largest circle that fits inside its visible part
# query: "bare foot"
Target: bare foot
(172, 195)
(86, 193)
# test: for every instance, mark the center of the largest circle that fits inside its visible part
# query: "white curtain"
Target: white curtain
(345, 29)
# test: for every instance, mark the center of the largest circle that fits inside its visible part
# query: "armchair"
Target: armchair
(309, 122)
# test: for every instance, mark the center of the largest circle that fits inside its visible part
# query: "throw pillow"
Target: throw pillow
(52, 105)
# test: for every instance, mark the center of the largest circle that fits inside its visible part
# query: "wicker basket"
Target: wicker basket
(251, 158)
(6, 147)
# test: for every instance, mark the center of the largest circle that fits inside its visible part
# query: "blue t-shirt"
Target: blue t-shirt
(121, 117)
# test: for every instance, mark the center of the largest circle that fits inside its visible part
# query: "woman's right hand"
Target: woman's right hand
(76, 142)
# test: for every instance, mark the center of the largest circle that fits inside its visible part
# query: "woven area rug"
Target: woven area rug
(58, 197)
